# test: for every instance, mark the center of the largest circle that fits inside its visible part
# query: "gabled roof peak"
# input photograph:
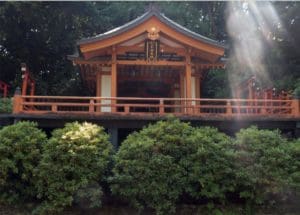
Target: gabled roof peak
(152, 11)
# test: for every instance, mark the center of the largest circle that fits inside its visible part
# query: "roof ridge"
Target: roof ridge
(153, 11)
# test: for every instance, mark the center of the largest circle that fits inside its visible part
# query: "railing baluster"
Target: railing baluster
(228, 108)
(161, 107)
(126, 108)
(91, 106)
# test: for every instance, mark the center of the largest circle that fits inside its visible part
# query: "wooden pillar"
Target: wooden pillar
(188, 80)
(24, 84)
(197, 93)
(25, 78)
(182, 92)
(113, 78)
(198, 85)
(98, 89)
(32, 88)
(295, 107)
(17, 101)
(98, 84)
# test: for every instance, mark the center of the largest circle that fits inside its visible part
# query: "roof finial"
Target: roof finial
(153, 7)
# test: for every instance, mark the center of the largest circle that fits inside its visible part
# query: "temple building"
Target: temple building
(145, 70)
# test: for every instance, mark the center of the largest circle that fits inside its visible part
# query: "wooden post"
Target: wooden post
(98, 89)
(182, 92)
(113, 79)
(54, 108)
(17, 101)
(25, 78)
(197, 93)
(91, 106)
(32, 89)
(161, 107)
(24, 84)
(228, 108)
(295, 107)
(188, 77)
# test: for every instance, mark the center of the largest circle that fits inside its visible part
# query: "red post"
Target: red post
(161, 107)
(17, 102)
(295, 107)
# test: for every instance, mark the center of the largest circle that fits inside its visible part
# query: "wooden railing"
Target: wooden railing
(158, 106)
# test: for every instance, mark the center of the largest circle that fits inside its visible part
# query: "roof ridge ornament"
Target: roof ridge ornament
(153, 33)
(153, 7)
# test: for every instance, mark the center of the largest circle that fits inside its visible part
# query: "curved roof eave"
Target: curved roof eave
(143, 18)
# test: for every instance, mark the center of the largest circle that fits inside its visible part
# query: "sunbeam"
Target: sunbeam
(250, 26)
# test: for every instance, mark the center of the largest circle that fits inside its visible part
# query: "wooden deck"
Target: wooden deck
(147, 107)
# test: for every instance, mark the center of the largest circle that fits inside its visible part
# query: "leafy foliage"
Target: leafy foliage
(74, 161)
(261, 164)
(5, 105)
(20, 153)
(148, 167)
(293, 149)
(210, 169)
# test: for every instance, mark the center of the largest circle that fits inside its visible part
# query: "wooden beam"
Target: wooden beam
(92, 62)
(156, 63)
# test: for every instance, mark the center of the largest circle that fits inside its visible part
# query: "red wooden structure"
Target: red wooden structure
(151, 66)
(28, 81)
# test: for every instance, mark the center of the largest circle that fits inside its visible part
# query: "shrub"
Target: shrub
(293, 149)
(74, 161)
(20, 153)
(148, 170)
(5, 105)
(261, 167)
(210, 168)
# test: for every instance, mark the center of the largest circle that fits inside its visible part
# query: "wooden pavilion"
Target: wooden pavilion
(150, 66)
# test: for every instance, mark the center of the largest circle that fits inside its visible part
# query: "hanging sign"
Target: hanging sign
(151, 50)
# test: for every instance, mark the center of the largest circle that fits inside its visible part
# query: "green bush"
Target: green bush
(20, 153)
(210, 168)
(74, 161)
(261, 165)
(5, 105)
(148, 169)
(293, 149)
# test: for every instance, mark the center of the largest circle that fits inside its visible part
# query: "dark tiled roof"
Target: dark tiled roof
(143, 18)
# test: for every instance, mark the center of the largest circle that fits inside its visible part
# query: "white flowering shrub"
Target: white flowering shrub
(73, 164)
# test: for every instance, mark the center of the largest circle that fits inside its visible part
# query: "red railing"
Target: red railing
(158, 106)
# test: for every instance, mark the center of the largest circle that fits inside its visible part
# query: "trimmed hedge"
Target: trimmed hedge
(210, 166)
(20, 153)
(157, 167)
(293, 150)
(261, 166)
(149, 166)
(73, 164)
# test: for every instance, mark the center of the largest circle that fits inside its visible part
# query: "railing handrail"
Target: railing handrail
(157, 99)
